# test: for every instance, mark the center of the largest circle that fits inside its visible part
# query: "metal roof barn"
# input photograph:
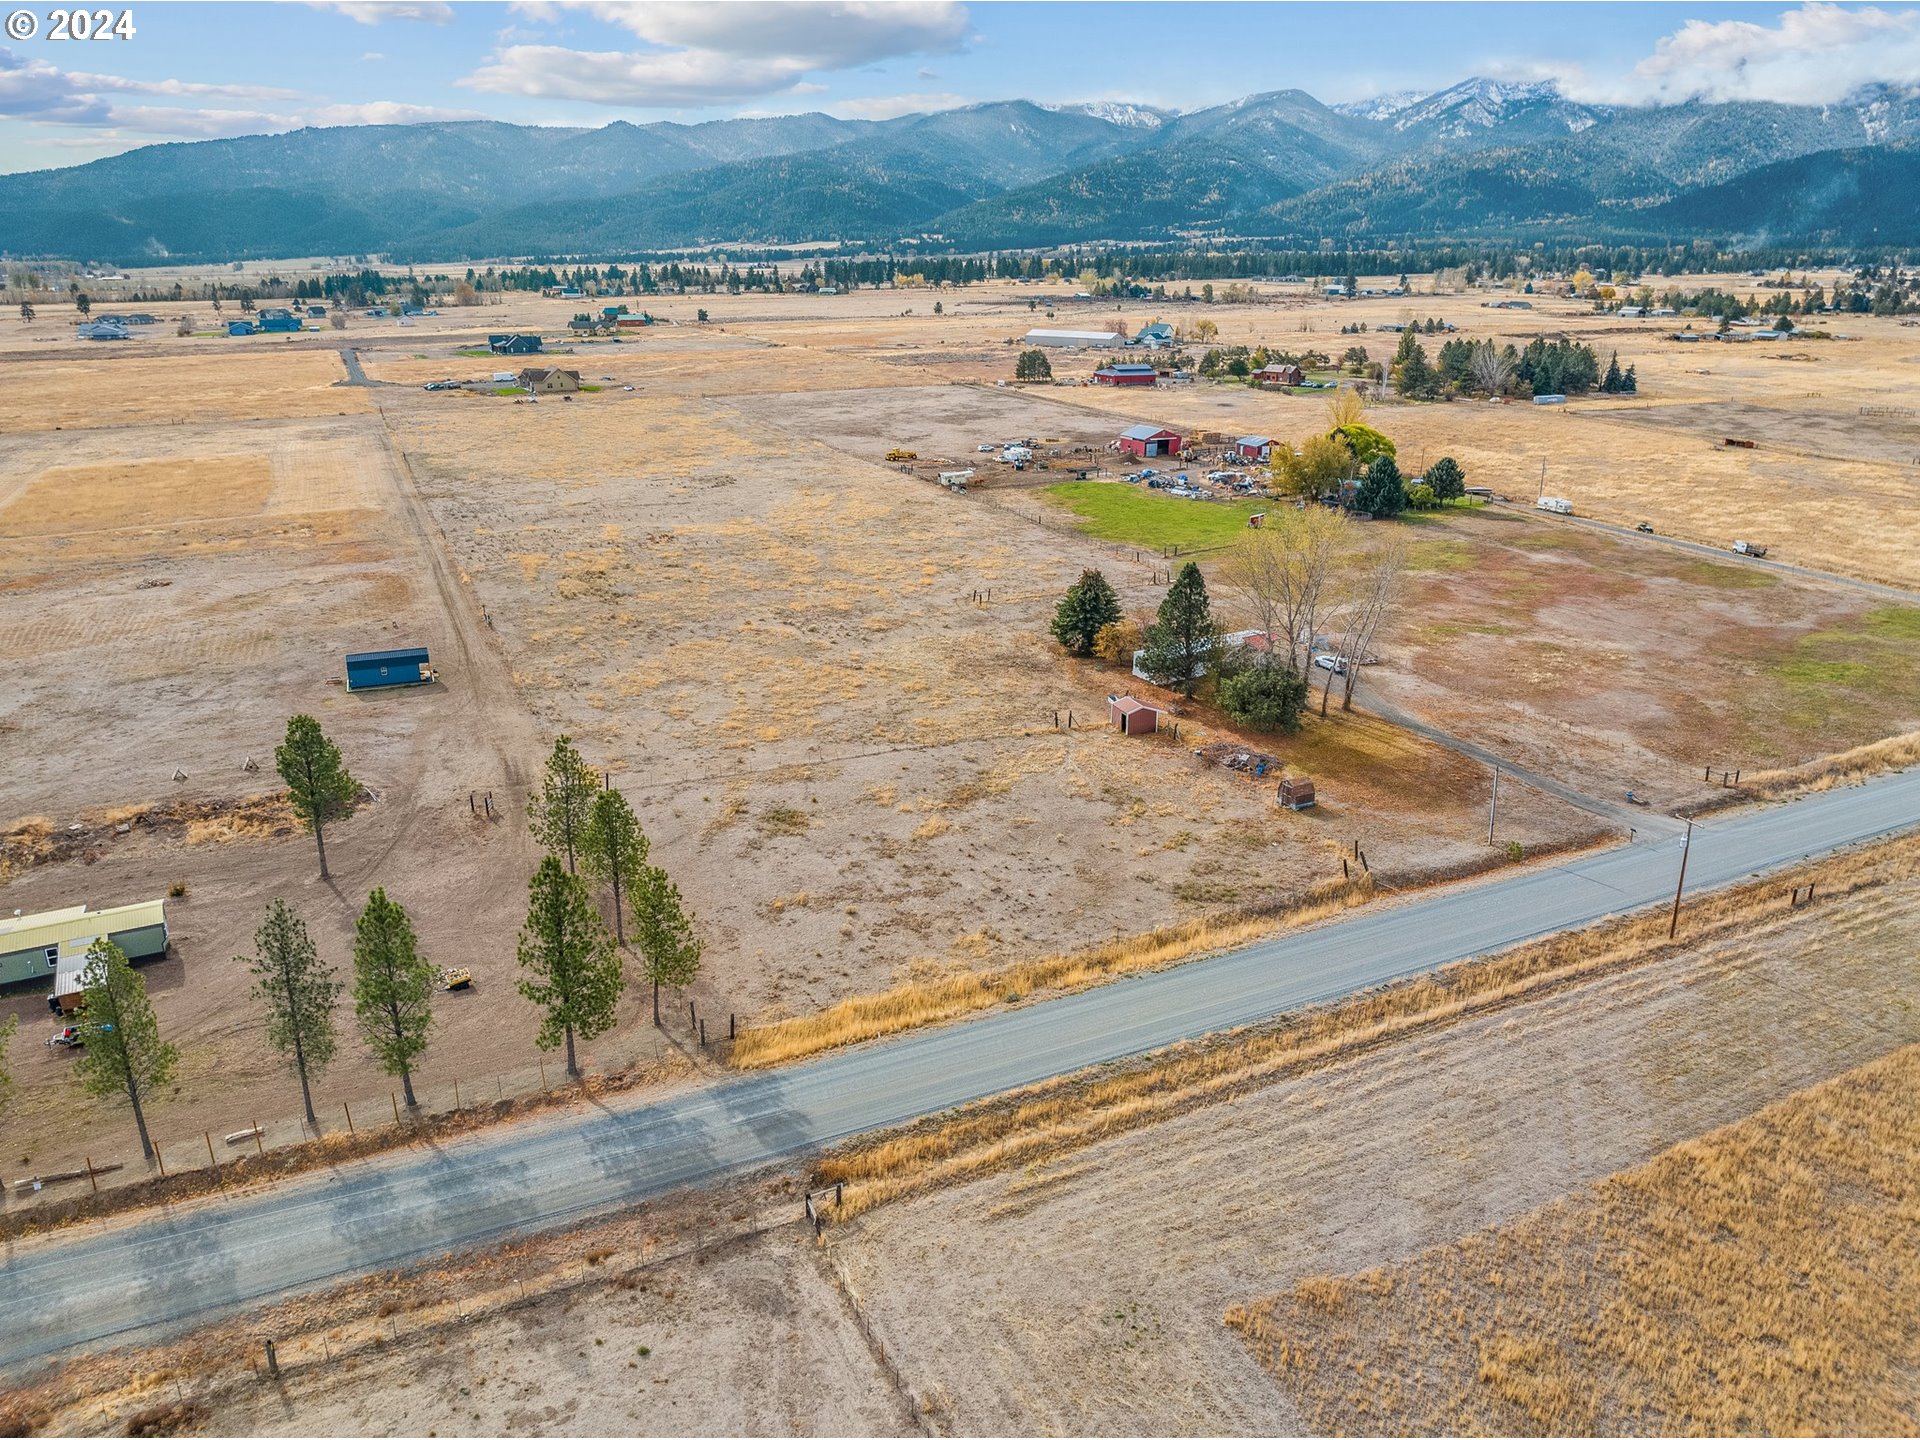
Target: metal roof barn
(35, 947)
(373, 669)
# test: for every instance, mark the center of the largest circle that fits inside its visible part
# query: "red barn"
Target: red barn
(1125, 375)
(1147, 441)
(1254, 447)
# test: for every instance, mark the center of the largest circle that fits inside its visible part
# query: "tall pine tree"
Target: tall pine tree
(121, 1049)
(298, 991)
(1184, 635)
(663, 931)
(572, 967)
(318, 785)
(1088, 606)
(392, 989)
(558, 814)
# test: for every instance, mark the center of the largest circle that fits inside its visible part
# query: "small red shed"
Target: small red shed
(1149, 441)
(1131, 716)
(1254, 447)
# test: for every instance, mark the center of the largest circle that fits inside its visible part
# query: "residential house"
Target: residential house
(1274, 373)
(514, 344)
(537, 380)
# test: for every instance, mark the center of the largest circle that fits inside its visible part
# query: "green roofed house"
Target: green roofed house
(53, 944)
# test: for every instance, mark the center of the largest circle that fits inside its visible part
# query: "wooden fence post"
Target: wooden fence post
(350, 1129)
(258, 1148)
(207, 1135)
(91, 1176)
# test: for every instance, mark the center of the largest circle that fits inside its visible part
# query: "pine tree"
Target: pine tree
(298, 991)
(318, 785)
(573, 969)
(1447, 480)
(1613, 383)
(7, 1027)
(614, 850)
(1629, 383)
(392, 989)
(1382, 492)
(1182, 639)
(1088, 606)
(669, 949)
(121, 1048)
(558, 814)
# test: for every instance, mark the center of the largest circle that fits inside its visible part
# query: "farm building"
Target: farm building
(1072, 339)
(1254, 447)
(39, 947)
(275, 319)
(1131, 716)
(537, 380)
(633, 322)
(1125, 375)
(1275, 374)
(514, 344)
(373, 669)
(239, 327)
(1147, 441)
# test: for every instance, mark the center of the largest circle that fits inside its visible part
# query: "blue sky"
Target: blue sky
(196, 71)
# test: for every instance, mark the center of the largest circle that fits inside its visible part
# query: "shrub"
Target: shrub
(1116, 643)
(1421, 497)
(177, 890)
(1088, 607)
(1267, 697)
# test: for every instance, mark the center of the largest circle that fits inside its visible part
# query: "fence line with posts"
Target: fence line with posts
(638, 1045)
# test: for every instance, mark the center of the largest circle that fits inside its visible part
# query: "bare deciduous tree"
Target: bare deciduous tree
(1370, 601)
(1283, 573)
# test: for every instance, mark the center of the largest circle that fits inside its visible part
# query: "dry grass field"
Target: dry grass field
(826, 685)
(1744, 1282)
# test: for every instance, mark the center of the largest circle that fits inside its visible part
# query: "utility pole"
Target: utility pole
(1493, 804)
(1543, 476)
(1673, 925)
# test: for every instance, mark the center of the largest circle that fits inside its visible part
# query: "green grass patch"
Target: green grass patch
(475, 354)
(1440, 555)
(1893, 622)
(1725, 577)
(591, 389)
(1135, 515)
(509, 390)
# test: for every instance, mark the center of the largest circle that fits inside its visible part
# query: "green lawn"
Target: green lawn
(1135, 515)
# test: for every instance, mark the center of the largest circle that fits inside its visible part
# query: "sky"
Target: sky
(193, 71)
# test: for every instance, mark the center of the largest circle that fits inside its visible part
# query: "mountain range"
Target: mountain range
(1480, 160)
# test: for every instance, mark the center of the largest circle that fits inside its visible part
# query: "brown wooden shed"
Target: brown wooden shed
(1131, 716)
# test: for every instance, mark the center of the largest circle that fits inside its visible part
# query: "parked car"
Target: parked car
(1644, 528)
(1331, 662)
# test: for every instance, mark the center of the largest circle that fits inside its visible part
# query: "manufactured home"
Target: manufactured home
(378, 669)
(43, 946)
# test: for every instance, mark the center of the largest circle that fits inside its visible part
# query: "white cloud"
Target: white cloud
(42, 94)
(371, 56)
(1816, 55)
(704, 53)
(889, 107)
(372, 12)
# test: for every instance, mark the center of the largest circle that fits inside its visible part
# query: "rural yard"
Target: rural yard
(828, 689)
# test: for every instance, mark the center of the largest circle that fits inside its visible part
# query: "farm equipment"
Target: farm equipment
(456, 977)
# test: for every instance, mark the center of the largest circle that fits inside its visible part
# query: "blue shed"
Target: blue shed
(239, 327)
(372, 669)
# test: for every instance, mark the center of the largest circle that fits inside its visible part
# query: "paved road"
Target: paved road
(1903, 595)
(144, 1276)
